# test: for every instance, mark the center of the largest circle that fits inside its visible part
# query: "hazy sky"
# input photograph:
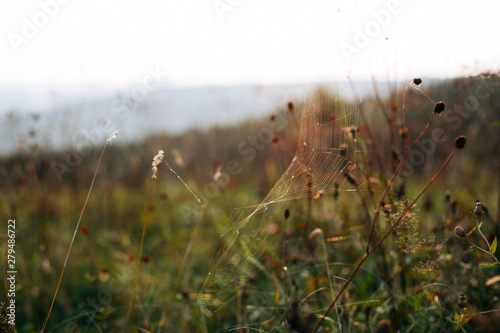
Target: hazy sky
(111, 43)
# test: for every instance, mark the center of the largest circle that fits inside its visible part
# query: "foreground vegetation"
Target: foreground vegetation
(436, 271)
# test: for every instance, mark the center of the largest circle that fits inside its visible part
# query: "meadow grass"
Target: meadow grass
(378, 253)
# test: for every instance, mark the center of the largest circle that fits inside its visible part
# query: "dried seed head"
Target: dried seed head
(447, 195)
(316, 238)
(336, 191)
(459, 231)
(156, 161)
(273, 118)
(385, 326)
(112, 136)
(453, 206)
(417, 81)
(462, 302)
(479, 209)
(460, 142)
(274, 140)
(185, 294)
(286, 215)
(291, 107)
(439, 107)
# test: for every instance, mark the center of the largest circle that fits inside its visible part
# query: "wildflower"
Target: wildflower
(459, 231)
(460, 142)
(439, 107)
(417, 81)
(112, 136)
(156, 161)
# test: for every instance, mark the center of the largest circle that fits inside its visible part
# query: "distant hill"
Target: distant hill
(58, 120)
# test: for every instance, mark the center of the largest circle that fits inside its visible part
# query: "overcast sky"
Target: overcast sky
(110, 44)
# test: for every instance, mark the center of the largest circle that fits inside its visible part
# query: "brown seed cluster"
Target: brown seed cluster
(459, 231)
(274, 140)
(286, 215)
(417, 81)
(460, 142)
(439, 107)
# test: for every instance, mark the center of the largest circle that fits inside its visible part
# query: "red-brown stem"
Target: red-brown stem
(369, 251)
(389, 185)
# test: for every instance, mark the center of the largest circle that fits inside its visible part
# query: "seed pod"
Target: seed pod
(459, 231)
(460, 142)
(439, 107)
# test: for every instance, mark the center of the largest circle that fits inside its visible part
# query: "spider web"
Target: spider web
(324, 162)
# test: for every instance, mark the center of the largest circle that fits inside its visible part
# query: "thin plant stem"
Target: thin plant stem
(482, 235)
(483, 250)
(140, 254)
(369, 251)
(391, 181)
(405, 129)
(73, 240)
(181, 271)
